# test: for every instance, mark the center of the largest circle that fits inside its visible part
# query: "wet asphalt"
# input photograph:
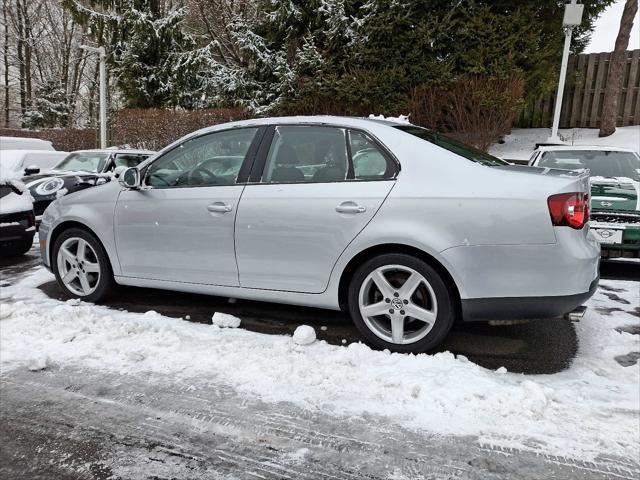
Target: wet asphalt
(538, 347)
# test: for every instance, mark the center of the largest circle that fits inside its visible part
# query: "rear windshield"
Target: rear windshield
(601, 163)
(459, 148)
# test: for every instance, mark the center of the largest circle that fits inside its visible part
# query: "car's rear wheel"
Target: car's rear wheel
(81, 266)
(401, 303)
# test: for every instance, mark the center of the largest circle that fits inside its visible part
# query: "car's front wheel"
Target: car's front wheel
(401, 303)
(81, 265)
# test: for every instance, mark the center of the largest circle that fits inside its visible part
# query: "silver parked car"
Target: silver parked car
(404, 228)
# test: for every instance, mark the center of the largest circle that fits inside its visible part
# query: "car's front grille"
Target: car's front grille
(611, 217)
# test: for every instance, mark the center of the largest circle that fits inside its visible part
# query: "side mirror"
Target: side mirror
(130, 178)
(31, 170)
(118, 171)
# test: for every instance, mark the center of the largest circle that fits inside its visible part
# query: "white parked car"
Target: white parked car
(24, 143)
(30, 162)
(405, 229)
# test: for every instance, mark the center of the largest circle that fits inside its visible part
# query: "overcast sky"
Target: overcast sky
(603, 38)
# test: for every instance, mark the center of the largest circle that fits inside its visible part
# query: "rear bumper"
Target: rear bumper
(519, 308)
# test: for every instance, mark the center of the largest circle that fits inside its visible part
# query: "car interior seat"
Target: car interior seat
(286, 170)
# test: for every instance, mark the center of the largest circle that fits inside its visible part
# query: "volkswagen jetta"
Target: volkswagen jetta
(401, 227)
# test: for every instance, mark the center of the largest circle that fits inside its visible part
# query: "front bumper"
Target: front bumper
(618, 233)
(16, 229)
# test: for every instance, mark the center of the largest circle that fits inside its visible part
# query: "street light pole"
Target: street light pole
(103, 91)
(572, 18)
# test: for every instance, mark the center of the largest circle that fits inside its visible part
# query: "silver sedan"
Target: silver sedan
(405, 229)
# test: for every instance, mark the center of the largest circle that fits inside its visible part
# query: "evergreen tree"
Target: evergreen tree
(143, 39)
(50, 107)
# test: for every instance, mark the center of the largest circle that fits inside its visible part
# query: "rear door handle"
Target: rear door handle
(219, 207)
(350, 207)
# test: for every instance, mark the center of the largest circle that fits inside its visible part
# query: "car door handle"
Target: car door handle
(350, 207)
(219, 207)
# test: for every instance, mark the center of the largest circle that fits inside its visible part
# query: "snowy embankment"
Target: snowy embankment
(520, 144)
(588, 410)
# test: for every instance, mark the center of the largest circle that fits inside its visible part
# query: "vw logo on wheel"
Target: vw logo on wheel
(397, 304)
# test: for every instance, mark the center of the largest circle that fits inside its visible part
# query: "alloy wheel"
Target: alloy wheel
(398, 304)
(78, 266)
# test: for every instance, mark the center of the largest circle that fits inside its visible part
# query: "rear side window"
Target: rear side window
(310, 154)
(459, 148)
(307, 154)
(369, 163)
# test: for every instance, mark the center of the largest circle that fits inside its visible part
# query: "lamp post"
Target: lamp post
(572, 18)
(103, 91)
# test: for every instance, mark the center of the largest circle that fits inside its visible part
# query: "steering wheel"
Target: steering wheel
(204, 176)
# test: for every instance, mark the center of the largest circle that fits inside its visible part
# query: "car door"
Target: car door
(179, 226)
(312, 190)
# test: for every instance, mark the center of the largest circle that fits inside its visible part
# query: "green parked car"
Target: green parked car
(615, 192)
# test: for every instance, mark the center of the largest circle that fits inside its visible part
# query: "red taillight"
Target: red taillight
(569, 209)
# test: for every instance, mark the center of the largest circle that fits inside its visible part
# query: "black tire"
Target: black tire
(106, 283)
(445, 302)
(19, 247)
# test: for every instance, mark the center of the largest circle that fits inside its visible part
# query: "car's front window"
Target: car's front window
(208, 160)
(92, 162)
(608, 164)
(459, 148)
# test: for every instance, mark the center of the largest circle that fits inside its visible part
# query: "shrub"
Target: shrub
(155, 128)
(63, 139)
(477, 110)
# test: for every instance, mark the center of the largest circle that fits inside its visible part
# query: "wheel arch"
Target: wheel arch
(66, 225)
(374, 251)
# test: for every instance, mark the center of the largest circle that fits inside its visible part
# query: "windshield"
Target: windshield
(459, 148)
(83, 162)
(600, 163)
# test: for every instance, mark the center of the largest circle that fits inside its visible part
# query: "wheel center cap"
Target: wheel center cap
(397, 304)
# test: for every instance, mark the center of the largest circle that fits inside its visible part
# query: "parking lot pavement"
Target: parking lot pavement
(80, 424)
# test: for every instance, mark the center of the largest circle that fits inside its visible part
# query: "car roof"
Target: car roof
(116, 150)
(361, 122)
(595, 148)
(22, 152)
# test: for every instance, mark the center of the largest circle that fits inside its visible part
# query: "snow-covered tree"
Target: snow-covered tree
(50, 107)
(143, 39)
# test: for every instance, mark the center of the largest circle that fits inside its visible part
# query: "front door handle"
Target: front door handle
(350, 207)
(219, 207)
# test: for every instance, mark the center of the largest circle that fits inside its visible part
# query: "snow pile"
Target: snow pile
(14, 202)
(587, 410)
(398, 119)
(224, 320)
(304, 335)
(520, 144)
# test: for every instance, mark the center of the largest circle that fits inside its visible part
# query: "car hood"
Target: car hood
(29, 179)
(615, 193)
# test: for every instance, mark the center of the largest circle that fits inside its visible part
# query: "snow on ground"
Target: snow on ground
(520, 144)
(587, 410)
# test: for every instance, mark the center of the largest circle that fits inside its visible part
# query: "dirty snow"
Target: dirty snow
(587, 410)
(520, 144)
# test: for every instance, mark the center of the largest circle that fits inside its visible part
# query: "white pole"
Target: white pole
(103, 98)
(563, 75)
(103, 91)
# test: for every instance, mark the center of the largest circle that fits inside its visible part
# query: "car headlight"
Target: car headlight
(49, 187)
